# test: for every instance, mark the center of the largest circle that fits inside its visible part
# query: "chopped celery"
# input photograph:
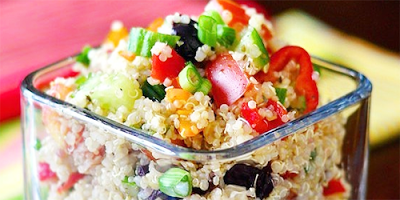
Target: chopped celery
(141, 41)
(110, 91)
(252, 45)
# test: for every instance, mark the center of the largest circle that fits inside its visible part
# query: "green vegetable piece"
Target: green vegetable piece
(38, 144)
(225, 35)
(141, 41)
(207, 30)
(126, 181)
(83, 56)
(313, 154)
(215, 15)
(252, 45)
(111, 91)
(153, 92)
(136, 37)
(281, 93)
(205, 86)
(189, 78)
(317, 68)
(176, 182)
(81, 80)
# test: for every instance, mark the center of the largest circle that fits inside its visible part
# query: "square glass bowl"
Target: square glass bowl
(344, 100)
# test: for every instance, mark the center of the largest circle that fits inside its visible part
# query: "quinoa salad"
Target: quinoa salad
(206, 82)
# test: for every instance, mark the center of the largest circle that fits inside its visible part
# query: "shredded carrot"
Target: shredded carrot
(173, 94)
(153, 26)
(127, 55)
(187, 129)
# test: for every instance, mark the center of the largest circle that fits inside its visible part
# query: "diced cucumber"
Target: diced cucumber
(110, 91)
(252, 45)
(141, 41)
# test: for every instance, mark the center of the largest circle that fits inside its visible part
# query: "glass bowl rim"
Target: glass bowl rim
(361, 92)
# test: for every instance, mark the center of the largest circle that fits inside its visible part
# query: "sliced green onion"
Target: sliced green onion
(38, 144)
(207, 30)
(141, 41)
(205, 86)
(281, 93)
(189, 78)
(225, 35)
(176, 182)
(215, 15)
(153, 92)
(83, 56)
(126, 181)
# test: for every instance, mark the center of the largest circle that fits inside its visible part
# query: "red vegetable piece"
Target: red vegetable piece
(238, 13)
(228, 81)
(255, 120)
(289, 175)
(334, 186)
(45, 172)
(280, 111)
(305, 85)
(72, 179)
(170, 68)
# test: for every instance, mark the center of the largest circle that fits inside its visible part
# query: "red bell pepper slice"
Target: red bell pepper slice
(334, 186)
(257, 122)
(45, 172)
(305, 85)
(72, 179)
(169, 68)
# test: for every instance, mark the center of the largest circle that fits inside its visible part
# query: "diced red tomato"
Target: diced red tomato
(45, 172)
(238, 13)
(289, 175)
(280, 111)
(72, 179)
(257, 122)
(170, 68)
(334, 186)
(228, 81)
